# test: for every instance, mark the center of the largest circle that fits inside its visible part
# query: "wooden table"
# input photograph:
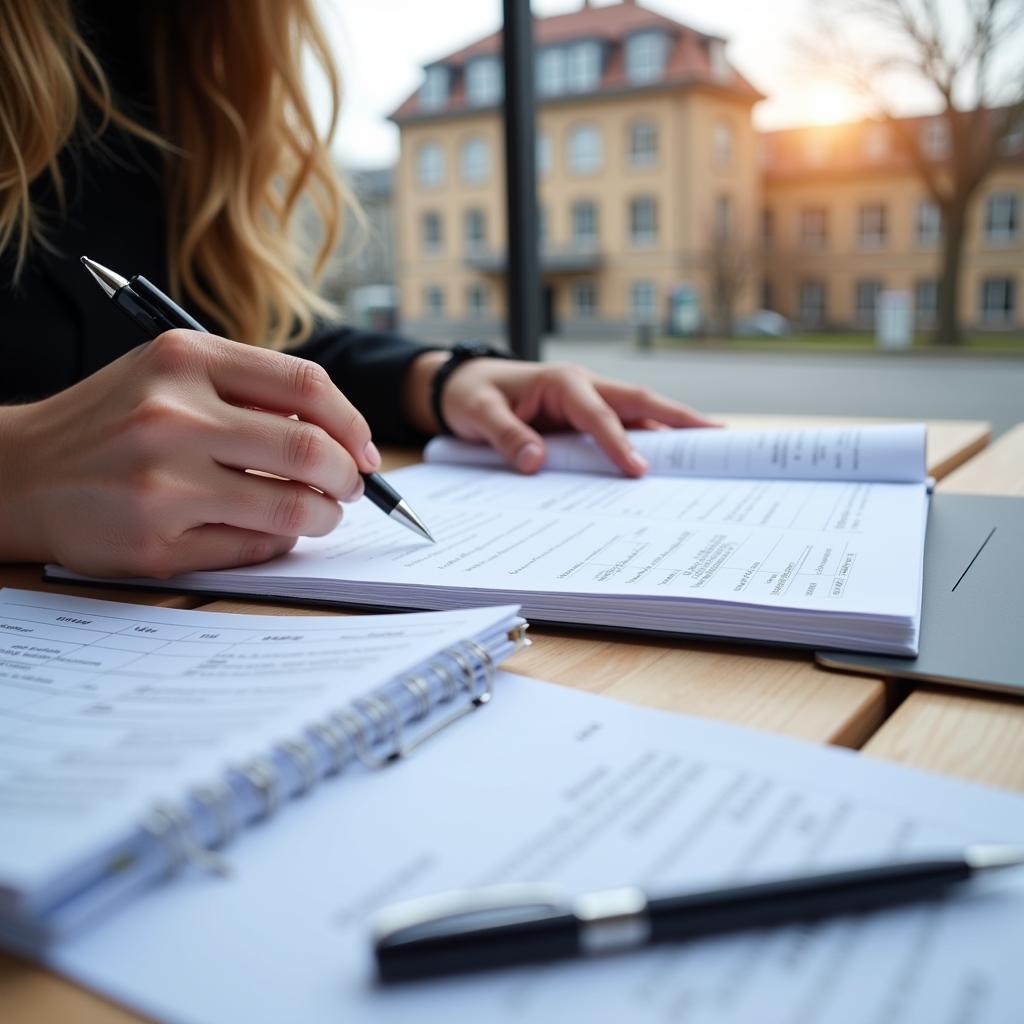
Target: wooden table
(959, 733)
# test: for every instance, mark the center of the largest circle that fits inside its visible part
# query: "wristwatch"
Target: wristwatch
(461, 353)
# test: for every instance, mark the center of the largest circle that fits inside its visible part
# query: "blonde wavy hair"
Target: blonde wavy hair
(238, 138)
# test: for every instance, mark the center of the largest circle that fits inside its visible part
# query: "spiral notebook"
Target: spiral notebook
(136, 739)
(804, 537)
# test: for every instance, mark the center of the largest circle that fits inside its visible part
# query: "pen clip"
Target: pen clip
(501, 904)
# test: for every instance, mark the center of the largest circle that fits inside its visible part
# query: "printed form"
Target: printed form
(558, 786)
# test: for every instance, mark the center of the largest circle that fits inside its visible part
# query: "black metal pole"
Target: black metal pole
(523, 279)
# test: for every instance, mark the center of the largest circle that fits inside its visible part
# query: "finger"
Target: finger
(635, 403)
(250, 376)
(587, 411)
(218, 547)
(520, 445)
(265, 505)
(288, 448)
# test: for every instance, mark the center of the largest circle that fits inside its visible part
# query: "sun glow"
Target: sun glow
(828, 104)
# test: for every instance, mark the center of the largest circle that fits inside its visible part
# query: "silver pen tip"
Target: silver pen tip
(411, 521)
(983, 857)
(107, 279)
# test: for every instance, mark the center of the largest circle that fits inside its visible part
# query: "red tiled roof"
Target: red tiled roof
(688, 60)
(845, 149)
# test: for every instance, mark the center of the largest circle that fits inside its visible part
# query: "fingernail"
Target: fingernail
(638, 460)
(371, 453)
(357, 491)
(529, 457)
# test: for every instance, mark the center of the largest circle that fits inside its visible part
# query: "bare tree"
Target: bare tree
(730, 262)
(956, 52)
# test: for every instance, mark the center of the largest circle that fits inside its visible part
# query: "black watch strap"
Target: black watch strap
(461, 353)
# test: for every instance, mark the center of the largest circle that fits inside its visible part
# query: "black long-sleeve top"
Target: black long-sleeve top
(56, 325)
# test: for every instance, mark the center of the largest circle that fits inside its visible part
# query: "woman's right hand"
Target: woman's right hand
(139, 470)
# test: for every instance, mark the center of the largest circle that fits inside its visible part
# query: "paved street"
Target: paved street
(937, 387)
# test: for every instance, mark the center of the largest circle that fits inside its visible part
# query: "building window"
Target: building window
(928, 223)
(477, 301)
(645, 56)
(643, 221)
(935, 138)
(434, 93)
(583, 67)
(643, 144)
(767, 294)
(716, 58)
(543, 154)
(723, 141)
(584, 149)
(474, 161)
(723, 218)
(871, 226)
(816, 149)
(876, 143)
(643, 302)
(926, 301)
(474, 227)
(584, 299)
(866, 302)
(484, 83)
(1001, 219)
(811, 303)
(430, 164)
(433, 301)
(551, 71)
(998, 300)
(768, 228)
(542, 225)
(432, 239)
(813, 227)
(584, 224)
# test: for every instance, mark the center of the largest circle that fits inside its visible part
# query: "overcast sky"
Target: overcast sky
(381, 46)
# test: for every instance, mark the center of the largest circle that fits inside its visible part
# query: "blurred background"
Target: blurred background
(788, 207)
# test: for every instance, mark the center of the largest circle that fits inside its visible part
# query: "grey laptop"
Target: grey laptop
(972, 616)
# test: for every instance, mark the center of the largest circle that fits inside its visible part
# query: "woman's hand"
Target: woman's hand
(140, 468)
(506, 403)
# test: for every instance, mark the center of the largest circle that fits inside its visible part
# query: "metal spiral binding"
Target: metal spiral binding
(172, 829)
(219, 799)
(344, 734)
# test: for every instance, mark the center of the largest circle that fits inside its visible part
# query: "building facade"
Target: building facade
(846, 218)
(654, 187)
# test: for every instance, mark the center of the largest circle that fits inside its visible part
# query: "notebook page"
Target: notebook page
(107, 707)
(867, 453)
(603, 794)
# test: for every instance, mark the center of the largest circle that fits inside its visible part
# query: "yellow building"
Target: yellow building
(846, 217)
(653, 184)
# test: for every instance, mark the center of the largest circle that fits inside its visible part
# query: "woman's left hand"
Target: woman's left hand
(507, 404)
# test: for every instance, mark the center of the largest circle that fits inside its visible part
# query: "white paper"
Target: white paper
(884, 453)
(828, 563)
(559, 786)
(106, 707)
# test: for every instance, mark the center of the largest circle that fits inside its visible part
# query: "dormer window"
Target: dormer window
(434, 93)
(935, 138)
(646, 54)
(551, 71)
(583, 67)
(716, 59)
(484, 85)
(876, 143)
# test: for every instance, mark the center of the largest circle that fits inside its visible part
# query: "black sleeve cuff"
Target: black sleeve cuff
(370, 368)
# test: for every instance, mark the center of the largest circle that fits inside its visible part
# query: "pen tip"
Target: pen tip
(107, 279)
(983, 857)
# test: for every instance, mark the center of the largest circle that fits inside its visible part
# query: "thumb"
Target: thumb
(518, 444)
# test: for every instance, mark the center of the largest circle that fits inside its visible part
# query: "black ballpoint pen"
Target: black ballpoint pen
(155, 313)
(507, 925)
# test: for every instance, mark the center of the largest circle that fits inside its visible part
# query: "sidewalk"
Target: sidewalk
(856, 384)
